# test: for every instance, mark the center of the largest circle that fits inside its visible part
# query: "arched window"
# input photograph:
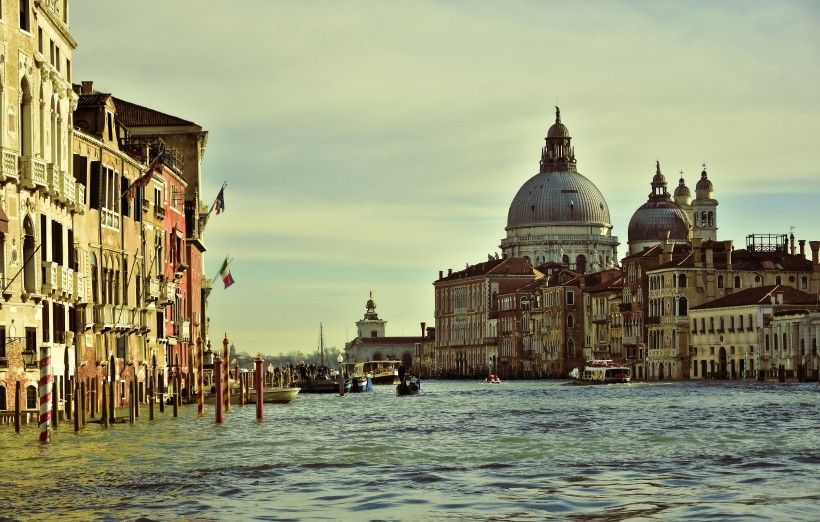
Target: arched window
(711, 219)
(683, 306)
(581, 263)
(494, 302)
(804, 283)
(766, 339)
(682, 281)
(737, 282)
(29, 247)
(571, 347)
(570, 321)
(25, 118)
(720, 281)
(95, 279)
(703, 218)
(785, 342)
(31, 397)
(565, 259)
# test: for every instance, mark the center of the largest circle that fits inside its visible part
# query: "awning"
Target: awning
(4, 221)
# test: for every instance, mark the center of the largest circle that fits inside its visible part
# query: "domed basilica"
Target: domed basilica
(677, 221)
(559, 215)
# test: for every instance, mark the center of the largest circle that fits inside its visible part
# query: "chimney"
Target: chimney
(449, 271)
(727, 245)
(87, 88)
(802, 243)
(815, 252)
(791, 247)
(697, 242)
(441, 274)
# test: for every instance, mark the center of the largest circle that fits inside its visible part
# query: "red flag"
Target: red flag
(146, 178)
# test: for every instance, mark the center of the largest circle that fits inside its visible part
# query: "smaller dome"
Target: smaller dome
(658, 177)
(682, 190)
(558, 130)
(655, 217)
(371, 304)
(704, 183)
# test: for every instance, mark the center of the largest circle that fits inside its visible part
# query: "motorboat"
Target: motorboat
(601, 371)
(492, 379)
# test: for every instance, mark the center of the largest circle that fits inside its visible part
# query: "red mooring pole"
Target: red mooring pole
(45, 394)
(220, 415)
(259, 384)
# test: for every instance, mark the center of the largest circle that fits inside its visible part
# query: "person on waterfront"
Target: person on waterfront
(402, 371)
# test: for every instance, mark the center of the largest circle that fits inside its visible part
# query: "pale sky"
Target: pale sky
(368, 145)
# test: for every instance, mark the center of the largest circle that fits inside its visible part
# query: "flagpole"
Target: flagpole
(222, 270)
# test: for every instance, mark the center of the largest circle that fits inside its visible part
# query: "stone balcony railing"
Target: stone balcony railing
(153, 290)
(168, 293)
(49, 281)
(103, 317)
(10, 166)
(69, 188)
(79, 286)
(33, 173)
(79, 202)
(53, 182)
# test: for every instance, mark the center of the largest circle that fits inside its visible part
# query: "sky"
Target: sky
(368, 145)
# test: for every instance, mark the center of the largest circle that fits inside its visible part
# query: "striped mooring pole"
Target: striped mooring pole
(45, 394)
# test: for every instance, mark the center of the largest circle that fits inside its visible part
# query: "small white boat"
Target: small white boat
(601, 371)
(278, 395)
(492, 379)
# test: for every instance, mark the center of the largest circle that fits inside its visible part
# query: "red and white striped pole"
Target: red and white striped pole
(45, 394)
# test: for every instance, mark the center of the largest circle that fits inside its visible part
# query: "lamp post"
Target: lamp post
(646, 368)
(29, 356)
(339, 360)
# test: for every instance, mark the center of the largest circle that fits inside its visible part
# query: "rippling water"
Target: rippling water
(530, 450)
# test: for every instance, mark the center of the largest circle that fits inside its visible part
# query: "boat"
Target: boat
(381, 372)
(410, 386)
(276, 394)
(492, 379)
(359, 380)
(321, 379)
(601, 371)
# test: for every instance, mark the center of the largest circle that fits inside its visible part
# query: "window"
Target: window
(121, 347)
(682, 281)
(737, 282)
(720, 281)
(51, 52)
(683, 306)
(31, 397)
(25, 22)
(804, 283)
(2, 343)
(68, 70)
(40, 39)
(570, 298)
(46, 321)
(778, 280)
(3, 404)
(570, 321)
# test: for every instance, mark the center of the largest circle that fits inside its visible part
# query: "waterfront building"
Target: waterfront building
(39, 198)
(603, 319)
(771, 329)
(467, 315)
(372, 343)
(560, 215)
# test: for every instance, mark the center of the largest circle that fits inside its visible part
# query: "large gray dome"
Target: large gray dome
(561, 197)
(656, 216)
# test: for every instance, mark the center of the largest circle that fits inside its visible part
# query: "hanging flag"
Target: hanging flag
(219, 204)
(143, 181)
(228, 279)
(223, 267)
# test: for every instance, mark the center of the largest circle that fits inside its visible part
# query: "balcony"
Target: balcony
(49, 281)
(53, 181)
(153, 290)
(10, 166)
(125, 318)
(600, 318)
(168, 293)
(630, 340)
(79, 286)
(65, 280)
(103, 318)
(144, 317)
(33, 173)
(69, 188)
(79, 202)
(653, 320)
(159, 212)
(183, 331)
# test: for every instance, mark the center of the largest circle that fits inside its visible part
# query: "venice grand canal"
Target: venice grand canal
(529, 450)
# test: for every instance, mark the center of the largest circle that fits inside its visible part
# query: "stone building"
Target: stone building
(372, 343)
(757, 332)
(559, 215)
(467, 314)
(39, 198)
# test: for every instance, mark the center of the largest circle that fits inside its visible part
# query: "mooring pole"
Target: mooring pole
(259, 385)
(112, 371)
(17, 387)
(104, 415)
(226, 386)
(200, 377)
(220, 417)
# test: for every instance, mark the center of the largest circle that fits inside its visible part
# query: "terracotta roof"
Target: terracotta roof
(93, 100)
(507, 266)
(133, 115)
(646, 252)
(613, 284)
(744, 260)
(389, 340)
(761, 295)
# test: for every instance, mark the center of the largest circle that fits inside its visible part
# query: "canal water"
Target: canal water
(527, 450)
